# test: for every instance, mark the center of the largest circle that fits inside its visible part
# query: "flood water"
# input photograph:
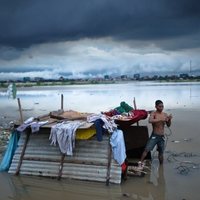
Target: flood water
(96, 98)
(170, 182)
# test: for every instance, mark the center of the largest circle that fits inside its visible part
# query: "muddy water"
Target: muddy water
(160, 183)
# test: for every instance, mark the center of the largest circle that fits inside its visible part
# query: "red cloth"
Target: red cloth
(123, 166)
(111, 113)
(135, 117)
(138, 115)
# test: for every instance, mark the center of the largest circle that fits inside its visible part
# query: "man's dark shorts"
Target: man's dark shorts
(154, 140)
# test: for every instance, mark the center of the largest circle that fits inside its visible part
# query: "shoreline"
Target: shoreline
(52, 85)
(101, 82)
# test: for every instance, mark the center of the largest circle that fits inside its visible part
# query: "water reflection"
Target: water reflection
(24, 187)
(150, 187)
(157, 182)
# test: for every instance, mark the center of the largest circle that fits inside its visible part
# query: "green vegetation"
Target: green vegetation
(38, 83)
(3, 85)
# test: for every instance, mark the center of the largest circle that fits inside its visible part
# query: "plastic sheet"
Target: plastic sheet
(7, 159)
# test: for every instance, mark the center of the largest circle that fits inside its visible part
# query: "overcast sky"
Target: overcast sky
(80, 38)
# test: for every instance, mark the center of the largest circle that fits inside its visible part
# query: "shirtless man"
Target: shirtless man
(158, 119)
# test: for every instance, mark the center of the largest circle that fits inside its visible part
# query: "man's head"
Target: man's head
(159, 105)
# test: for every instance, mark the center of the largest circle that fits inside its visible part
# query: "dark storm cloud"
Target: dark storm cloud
(24, 23)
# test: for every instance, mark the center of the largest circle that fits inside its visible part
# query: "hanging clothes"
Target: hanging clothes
(12, 146)
(35, 126)
(99, 129)
(118, 146)
(64, 134)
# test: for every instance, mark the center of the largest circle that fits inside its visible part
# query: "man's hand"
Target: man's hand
(168, 122)
(169, 117)
(164, 118)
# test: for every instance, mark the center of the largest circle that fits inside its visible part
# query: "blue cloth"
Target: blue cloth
(7, 159)
(118, 146)
(99, 129)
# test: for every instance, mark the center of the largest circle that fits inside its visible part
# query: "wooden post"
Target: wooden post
(20, 110)
(109, 163)
(134, 103)
(23, 152)
(61, 101)
(135, 107)
(61, 166)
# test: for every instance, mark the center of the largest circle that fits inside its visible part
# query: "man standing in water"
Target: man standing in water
(158, 119)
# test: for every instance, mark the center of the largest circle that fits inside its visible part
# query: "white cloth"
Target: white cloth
(118, 146)
(64, 134)
(109, 124)
(35, 126)
(25, 125)
(29, 120)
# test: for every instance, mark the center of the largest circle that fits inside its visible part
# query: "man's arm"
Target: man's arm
(169, 120)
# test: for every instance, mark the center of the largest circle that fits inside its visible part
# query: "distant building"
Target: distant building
(107, 77)
(61, 78)
(146, 78)
(184, 76)
(136, 76)
(38, 79)
(155, 77)
(124, 77)
(26, 79)
(174, 77)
